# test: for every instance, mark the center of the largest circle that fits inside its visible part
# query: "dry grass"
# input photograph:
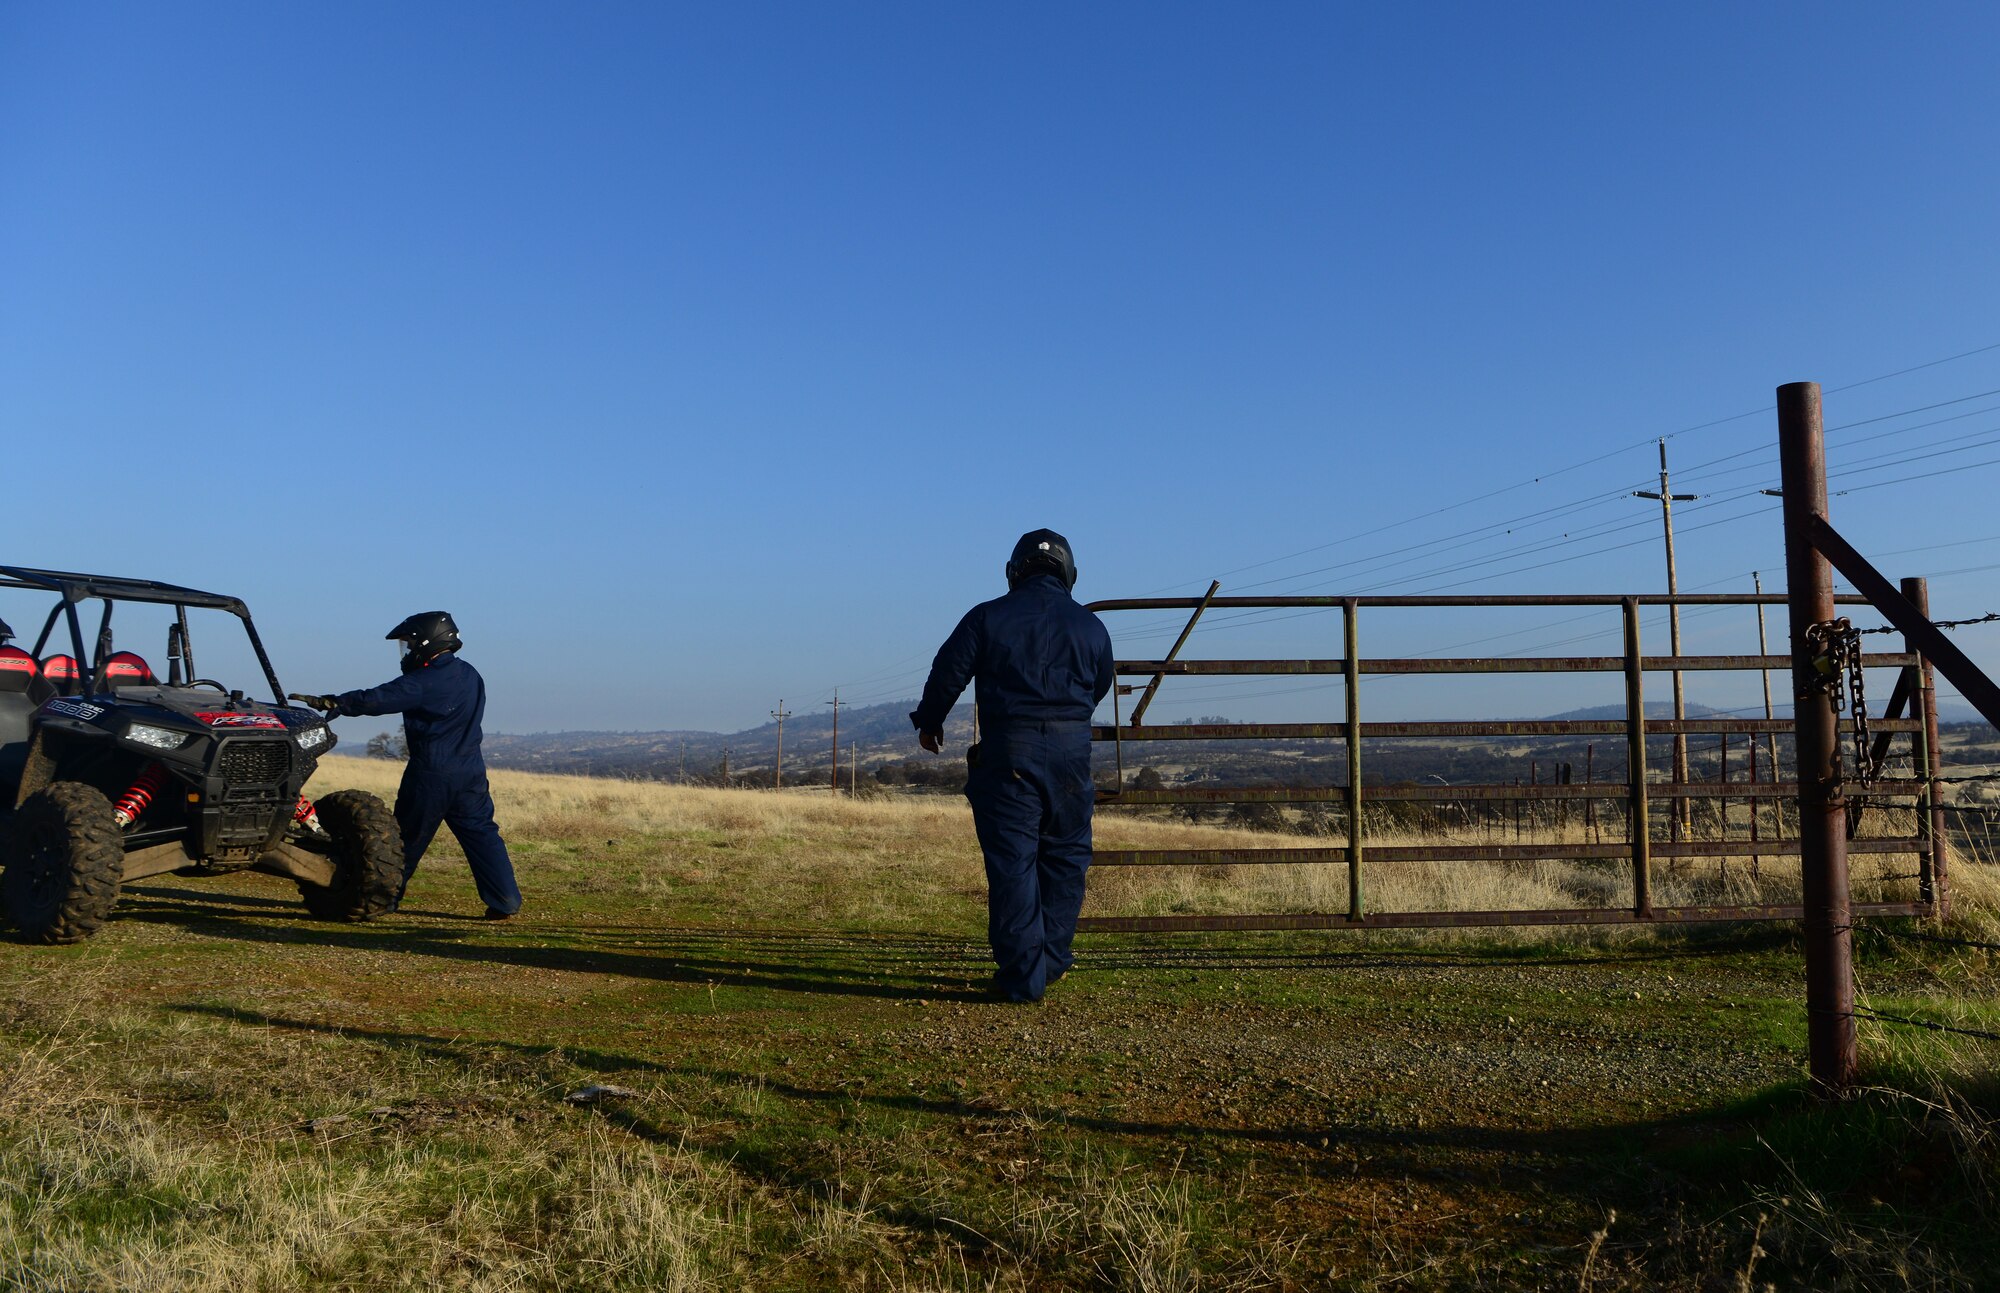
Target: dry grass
(470, 1181)
(858, 861)
(165, 1146)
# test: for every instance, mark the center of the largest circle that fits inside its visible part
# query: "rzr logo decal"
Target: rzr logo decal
(72, 709)
(267, 722)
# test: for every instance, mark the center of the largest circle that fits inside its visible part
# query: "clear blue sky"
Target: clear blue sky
(696, 356)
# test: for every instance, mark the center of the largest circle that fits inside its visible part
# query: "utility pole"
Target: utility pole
(1667, 498)
(781, 714)
(853, 768)
(684, 762)
(834, 784)
(725, 765)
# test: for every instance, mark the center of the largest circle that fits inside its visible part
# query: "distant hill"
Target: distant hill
(879, 738)
(873, 734)
(1654, 709)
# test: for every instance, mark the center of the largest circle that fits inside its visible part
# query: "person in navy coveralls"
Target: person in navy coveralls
(1042, 664)
(442, 700)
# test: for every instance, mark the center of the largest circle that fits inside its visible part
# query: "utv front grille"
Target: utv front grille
(255, 763)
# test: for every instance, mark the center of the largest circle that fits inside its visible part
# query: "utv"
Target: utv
(108, 774)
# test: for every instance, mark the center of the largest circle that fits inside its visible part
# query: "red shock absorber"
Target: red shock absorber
(134, 801)
(307, 816)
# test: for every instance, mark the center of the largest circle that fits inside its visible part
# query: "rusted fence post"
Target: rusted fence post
(1589, 779)
(1352, 670)
(1822, 801)
(1932, 880)
(1638, 825)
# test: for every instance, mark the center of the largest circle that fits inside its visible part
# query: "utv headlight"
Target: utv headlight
(312, 738)
(160, 738)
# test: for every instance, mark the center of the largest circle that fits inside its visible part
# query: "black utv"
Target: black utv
(110, 774)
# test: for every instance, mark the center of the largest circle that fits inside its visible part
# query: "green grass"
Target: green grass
(219, 1093)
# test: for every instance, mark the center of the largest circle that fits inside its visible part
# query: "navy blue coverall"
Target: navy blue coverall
(1042, 663)
(442, 704)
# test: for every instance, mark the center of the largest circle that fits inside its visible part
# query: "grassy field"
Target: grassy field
(784, 991)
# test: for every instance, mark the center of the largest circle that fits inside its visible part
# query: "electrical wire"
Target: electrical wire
(1638, 444)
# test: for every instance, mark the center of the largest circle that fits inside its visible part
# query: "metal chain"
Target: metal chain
(1823, 647)
(1824, 641)
(1837, 671)
(1865, 766)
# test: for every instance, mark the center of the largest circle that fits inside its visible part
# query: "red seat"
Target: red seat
(59, 671)
(124, 669)
(18, 670)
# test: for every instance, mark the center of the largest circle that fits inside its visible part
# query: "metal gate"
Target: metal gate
(1650, 834)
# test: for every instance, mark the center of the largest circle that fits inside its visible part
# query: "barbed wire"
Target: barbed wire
(1943, 939)
(1863, 1012)
(1987, 618)
(1908, 1021)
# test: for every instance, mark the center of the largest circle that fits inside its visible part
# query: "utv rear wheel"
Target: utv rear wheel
(367, 858)
(65, 859)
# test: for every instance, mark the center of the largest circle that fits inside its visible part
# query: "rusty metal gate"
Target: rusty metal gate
(1911, 712)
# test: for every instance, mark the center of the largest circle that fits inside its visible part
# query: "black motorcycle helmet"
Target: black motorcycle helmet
(425, 636)
(1041, 551)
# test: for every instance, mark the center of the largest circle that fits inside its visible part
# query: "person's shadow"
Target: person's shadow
(895, 966)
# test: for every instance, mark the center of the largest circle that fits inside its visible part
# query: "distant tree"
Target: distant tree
(931, 774)
(388, 745)
(1148, 779)
(1258, 817)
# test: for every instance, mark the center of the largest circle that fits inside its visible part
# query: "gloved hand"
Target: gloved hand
(327, 703)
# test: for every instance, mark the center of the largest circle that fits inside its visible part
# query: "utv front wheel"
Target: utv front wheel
(65, 859)
(367, 858)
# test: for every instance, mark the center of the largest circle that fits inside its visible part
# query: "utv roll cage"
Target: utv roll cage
(74, 588)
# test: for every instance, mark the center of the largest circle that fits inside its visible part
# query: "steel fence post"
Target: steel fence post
(1639, 824)
(1350, 614)
(1937, 864)
(1822, 801)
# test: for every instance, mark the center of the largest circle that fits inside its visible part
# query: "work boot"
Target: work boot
(1012, 997)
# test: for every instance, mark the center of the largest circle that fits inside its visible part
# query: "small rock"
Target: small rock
(596, 1093)
(328, 1123)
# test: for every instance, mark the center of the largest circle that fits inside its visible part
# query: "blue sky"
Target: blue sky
(699, 356)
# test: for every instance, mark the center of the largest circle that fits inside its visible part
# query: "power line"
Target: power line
(1924, 475)
(1921, 408)
(1591, 461)
(1882, 462)
(1264, 615)
(1932, 547)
